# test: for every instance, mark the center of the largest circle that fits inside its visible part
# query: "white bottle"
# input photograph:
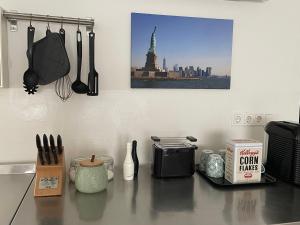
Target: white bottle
(128, 166)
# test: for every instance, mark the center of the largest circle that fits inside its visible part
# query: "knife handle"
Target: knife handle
(55, 156)
(59, 144)
(47, 154)
(46, 148)
(53, 150)
(40, 149)
(40, 152)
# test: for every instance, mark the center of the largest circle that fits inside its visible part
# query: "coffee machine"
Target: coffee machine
(283, 157)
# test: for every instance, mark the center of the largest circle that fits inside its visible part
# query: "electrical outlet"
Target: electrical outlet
(238, 119)
(259, 119)
(250, 119)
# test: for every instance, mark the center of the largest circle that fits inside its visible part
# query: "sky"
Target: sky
(186, 41)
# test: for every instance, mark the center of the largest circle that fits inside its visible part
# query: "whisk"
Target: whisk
(63, 85)
(63, 88)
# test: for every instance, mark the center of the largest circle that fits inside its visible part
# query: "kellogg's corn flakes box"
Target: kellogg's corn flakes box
(243, 161)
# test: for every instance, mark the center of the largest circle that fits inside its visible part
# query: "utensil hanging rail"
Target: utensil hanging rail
(9, 15)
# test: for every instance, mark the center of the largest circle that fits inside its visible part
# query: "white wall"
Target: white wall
(265, 78)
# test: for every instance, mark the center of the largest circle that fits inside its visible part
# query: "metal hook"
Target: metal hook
(48, 23)
(62, 22)
(30, 20)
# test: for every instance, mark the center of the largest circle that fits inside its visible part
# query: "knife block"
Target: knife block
(50, 179)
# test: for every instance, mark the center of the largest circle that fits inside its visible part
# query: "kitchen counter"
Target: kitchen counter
(14, 182)
(162, 202)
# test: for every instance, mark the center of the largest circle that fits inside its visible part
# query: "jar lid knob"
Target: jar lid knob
(91, 162)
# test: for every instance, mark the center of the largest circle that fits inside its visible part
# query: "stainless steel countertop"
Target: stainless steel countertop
(13, 186)
(162, 202)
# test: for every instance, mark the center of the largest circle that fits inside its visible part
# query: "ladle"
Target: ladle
(78, 86)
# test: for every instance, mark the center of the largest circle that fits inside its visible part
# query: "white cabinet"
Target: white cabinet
(3, 51)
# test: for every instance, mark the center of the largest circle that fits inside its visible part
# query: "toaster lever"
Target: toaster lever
(158, 139)
(191, 138)
(155, 138)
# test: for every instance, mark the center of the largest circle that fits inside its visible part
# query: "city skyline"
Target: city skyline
(184, 41)
(177, 67)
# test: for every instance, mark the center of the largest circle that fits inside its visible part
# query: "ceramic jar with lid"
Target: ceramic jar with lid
(108, 163)
(91, 176)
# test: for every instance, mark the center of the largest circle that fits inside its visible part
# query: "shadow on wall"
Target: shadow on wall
(122, 143)
(256, 133)
(217, 140)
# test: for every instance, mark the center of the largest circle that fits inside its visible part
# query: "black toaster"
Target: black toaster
(283, 157)
(173, 157)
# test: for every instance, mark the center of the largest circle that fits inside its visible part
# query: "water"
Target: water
(204, 83)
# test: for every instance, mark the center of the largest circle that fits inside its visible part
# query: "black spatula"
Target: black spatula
(93, 75)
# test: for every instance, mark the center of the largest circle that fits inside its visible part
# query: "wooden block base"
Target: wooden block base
(49, 179)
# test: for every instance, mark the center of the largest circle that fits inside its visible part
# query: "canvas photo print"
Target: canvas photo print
(180, 52)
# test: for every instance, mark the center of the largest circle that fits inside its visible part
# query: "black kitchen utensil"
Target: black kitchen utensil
(59, 144)
(93, 75)
(31, 77)
(40, 149)
(78, 86)
(63, 85)
(135, 159)
(47, 150)
(53, 149)
(50, 59)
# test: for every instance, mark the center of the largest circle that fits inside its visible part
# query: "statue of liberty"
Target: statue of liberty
(151, 55)
(153, 42)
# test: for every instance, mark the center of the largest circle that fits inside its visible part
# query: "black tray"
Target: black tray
(222, 182)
